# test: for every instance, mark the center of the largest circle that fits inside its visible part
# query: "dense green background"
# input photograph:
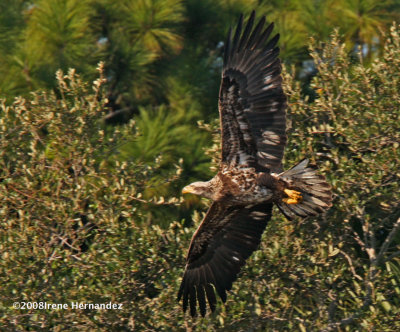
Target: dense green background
(91, 173)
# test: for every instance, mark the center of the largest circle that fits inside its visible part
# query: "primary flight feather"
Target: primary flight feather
(252, 108)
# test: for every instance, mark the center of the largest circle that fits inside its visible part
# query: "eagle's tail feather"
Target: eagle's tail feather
(309, 193)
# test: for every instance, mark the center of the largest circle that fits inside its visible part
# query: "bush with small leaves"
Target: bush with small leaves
(79, 222)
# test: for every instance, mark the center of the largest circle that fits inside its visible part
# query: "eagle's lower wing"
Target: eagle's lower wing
(224, 240)
(252, 104)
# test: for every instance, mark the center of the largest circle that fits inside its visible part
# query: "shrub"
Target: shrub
(76, 225)
(72, 213)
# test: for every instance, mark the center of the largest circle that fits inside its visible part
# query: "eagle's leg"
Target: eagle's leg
(294, 197)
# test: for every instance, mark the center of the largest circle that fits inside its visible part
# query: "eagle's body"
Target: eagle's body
(238, 186)
(245, 187)
(252, 108)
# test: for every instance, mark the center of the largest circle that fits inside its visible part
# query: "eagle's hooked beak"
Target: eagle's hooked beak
(187, 190)
(197, 188)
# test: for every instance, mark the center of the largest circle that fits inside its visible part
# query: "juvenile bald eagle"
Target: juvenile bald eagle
(250, 180)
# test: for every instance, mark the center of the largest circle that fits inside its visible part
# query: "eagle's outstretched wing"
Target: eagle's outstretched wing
(252, 103)
(224, 240)
(253, 127)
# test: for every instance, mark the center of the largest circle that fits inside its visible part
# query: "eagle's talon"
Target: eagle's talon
(294, 197)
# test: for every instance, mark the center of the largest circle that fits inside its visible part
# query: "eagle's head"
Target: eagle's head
(200, 188)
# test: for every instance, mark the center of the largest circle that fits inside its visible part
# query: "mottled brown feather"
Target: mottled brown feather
(253, 129)
(219, 248)
(251, 102)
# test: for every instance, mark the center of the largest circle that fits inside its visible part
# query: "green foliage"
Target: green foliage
(11, 22)
(136, 34)
(143, 41)
(70, 212)
(362, 18)
(152, 28)
(351, 129)
(167, 136)
(91, 213)
(63, 26)
(11, 25)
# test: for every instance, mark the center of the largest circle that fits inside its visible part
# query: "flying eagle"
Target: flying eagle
(252, 109)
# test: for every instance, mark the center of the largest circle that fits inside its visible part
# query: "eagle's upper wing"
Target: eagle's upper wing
(252, 103)
(224, 240)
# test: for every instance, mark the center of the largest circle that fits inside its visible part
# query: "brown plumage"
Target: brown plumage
(252, 108)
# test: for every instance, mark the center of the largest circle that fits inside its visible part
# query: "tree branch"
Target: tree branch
(387, 242)
(351, 265)
(394, 255)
